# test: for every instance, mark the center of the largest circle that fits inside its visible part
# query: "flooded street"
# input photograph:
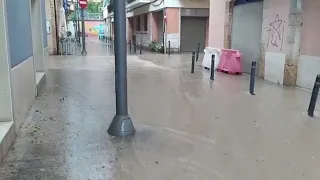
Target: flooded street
(188, 127)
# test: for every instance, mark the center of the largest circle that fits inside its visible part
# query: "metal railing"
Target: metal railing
(87, 16)
(110, 6)
(94, 16)
(69, 46)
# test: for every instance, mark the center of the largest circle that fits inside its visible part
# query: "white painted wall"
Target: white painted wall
(145, 9)
(309, 63)
(37, 38)
(308, 68)
(276, 46)
(274, 67)
(156, 6)
(105, 12)
(187, 3)
(6, 111)
(23, 89)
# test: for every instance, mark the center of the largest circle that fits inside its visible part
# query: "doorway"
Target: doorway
(246, 32)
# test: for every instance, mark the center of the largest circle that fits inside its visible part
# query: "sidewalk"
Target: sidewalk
(188, 128)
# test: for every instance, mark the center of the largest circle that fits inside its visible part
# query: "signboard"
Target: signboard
(65, 5)
(83, 4)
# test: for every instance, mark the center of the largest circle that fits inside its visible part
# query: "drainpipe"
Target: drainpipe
(164, 31)
(56, 27)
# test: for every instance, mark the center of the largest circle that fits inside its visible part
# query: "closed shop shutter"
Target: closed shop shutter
(193, 31)
(246, 32)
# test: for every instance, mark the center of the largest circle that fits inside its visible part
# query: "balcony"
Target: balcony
(130, 4)
(136, 3)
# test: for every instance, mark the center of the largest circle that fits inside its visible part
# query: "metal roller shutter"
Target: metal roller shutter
(193, 31)
(246, 32)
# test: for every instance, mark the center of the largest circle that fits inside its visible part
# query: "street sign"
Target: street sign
(83, 4)
(65, 5)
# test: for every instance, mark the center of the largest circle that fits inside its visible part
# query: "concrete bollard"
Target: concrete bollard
(193, 62)
(314, 96)
(169, 49)
(212, 67)
(198, 51)
(252, 77)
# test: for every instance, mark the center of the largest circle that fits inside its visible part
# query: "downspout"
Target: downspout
(228, 27)
(56, 27)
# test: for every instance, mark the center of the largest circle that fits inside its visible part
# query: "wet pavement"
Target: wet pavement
(188, 127)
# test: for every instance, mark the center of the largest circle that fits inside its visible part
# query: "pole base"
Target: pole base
(84, 52)
(122, 126)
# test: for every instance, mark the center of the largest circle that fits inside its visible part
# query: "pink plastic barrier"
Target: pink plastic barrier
(230, 61)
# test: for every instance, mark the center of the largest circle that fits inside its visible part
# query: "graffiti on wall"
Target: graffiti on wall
(276, 33)
(94, 28)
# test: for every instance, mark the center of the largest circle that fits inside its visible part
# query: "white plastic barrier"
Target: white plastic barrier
(208, 52)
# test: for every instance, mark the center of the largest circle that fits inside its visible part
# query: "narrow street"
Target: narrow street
(188, 128)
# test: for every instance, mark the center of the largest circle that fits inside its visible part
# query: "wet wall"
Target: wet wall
(19, 31)
(44, 25)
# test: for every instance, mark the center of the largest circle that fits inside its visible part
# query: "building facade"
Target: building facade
(182, 22)
(23, 49)
(281, 35)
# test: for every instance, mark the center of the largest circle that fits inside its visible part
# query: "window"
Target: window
(138, 23)
(145, 24)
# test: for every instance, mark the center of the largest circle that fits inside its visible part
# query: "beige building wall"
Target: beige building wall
(51, 6)
(309, 63)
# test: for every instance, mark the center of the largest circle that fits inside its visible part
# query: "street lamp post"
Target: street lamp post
(121, 124)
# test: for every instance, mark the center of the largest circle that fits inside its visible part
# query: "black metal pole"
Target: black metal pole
(134, 46)
(130, 45)
(75, 30)
(140, 48)
(84, 51)
(193, 62)
(314, 96)
(121, 124)
(169, 49)
(78, 23)
(252, 77)
(198, 49)
(212, 67)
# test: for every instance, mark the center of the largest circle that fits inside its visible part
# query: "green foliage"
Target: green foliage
(95, 7)
(156, 46)
(71, 16)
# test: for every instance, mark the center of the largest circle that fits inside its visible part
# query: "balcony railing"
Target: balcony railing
(129, 4)
(87, 16)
